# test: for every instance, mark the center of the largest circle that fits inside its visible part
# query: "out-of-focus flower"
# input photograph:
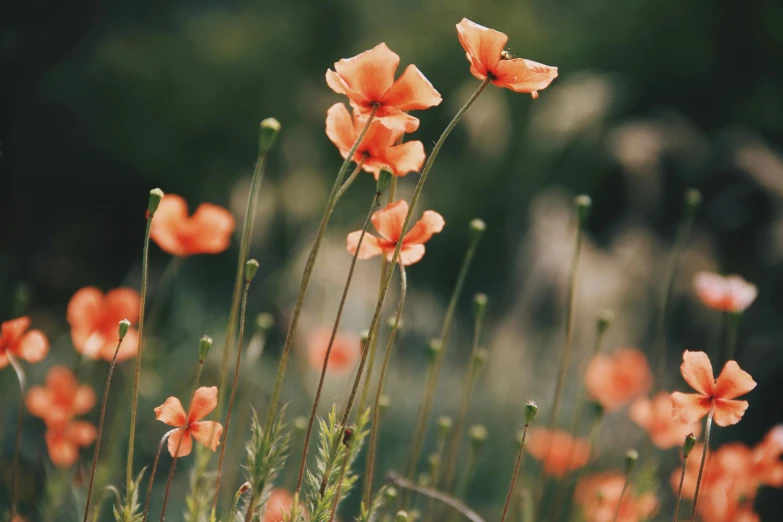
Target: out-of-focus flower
(484, 50)
(346, 349)
(388, 222)
(61, 399)
(368, 81)
(64, 440)
(719, 394)
(655, 416)
(727, 294)
(599, 494)
(94, 319)
(207, 231)
(559, 452)
(766, 459)
(378, 149)
(17, 339)
(616, 379)
(190, 424)
(278, 505)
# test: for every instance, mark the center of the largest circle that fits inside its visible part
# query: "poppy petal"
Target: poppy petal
(84, 309)
(430, 223)
(211, 228)
(180, 443)
(389, 220)
(167, 224)
(711, 290)
(128, 348)
(641, 412)
(522, 75)
(412, 91)
(371, 73)
(340, 128)
(13, 330)
(728, 412)
(33, 347)
(62, 451)
(482, 44)
(61, 381)
(404, 158)
(697, 371)
(204, 401)
(689, 407)
(339, 85)
(390, 117)
(207, 433)
(733, 382)
(83, 399)
(122, 303)
(742, 293)
(370, 245)
(171, 413)
(409, 254)
(38, 401)
(82, 433)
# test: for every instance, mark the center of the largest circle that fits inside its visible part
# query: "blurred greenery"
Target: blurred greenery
(102, 101)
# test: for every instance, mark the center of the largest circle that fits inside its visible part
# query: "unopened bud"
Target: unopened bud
(690, 442)
(434, 461)
(583, 203)
(631, 457)
(477, 229)
(124, 326)
(401, 516)
(444, 426)
(383, 402)
(251, 267)
(480, 305)
(365, 335)
(531, 408)
(384, 180)
(598, 410)
(390, 493)
(347, 436)
(265, 322)
(204, 344)
(300, 424)
(392, 321)
(479, 358)
(693, 200)
(155, 196)
(270, 128)
(434, 349)
(477, 435)
(244, 488)
(424, 479)
(605, 320)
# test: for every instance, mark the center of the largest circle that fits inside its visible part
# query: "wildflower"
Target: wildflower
(614, 380)
(64, 440)
(368, 81)
(61, 399)
(599, 494)
(207, 231)
(278, 505)
(190, 424)
(765, 459)
(94, 316)
(378, 150)
(655, 416)
(718, 394)
(346, 349)
(17, 339)
(559, 452)
(484, 50)
(726, 294)
(388, 222)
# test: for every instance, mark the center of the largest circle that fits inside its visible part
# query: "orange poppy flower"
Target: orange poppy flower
(278, 505)
(61, 399)
(190, 425)
(63, 441)
(379, 149)
(388, 222)
(655, 416)
(95, 318)
(368, 81)
(484, 49)
(599, 494)
(766, 464)
(614, 380)
(559, 451)
(346, 349)
(32, 345)
(719, 394)
(727, 294)
(207, 231)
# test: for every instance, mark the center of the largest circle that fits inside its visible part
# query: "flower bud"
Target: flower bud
(477, 229)
(480, 305)
(365, 335)
(383, 402)
(479, 358)
(401, 516)
(270, 128)
(434, 349)
(477, 435)
(124, 326)
(300, 424)
(693, 200)
(155, 196)
(583, 204)
(631, 457)
(204, 344)
(690, 442)
(384, 180)
(425, 479)
(265, 322)
(251, 267)
(390, 493)
(244, 488)
(598, 410)
(531, 408)
(444, 426)
(604, 321)
(392, 320)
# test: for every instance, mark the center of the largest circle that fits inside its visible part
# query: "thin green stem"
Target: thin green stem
(137, 370)
(308, 272)
(235, 505)
(340, 480)
(153, 472)
(516, 473)
(622, 494)
(97, 510)
(376, 412)
(348, 182)
(100, 429)
(20, 376)
(437, 495)
(732, 320)
(679, 489)
(707, 430)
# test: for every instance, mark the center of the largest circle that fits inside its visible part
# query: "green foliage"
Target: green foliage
(378, 504)
(130, 510)
(202, 484)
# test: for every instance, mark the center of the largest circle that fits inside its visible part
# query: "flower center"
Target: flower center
(505, 55)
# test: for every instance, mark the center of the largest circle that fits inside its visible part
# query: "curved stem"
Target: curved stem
(707, 430)
(100, 429)
(348, 182)
(308, 272)
(516, 473)
(437, 495)
(376, 412)
(137, 370)
(152, 473)
(622, 494)
(20, 376)
(395, 257)
(679, 489)
(241, 491)
(335, 328)
(111, 489)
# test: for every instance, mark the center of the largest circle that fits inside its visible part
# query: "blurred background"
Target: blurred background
(102, 101)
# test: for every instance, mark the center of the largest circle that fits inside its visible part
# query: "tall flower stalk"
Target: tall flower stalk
(690, 442)
(707, 431)
(530, 413)
(630, 463)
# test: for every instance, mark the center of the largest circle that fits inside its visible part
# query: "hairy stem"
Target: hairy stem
(520, 454)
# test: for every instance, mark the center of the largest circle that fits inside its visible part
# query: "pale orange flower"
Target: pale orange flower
(278, 506)
(727, 294)
(61, 399)
(379, 149)
(719, 394)
(388, 222)
(17, 339)
(655, 416)
(346, 349)
(484, 50)
(190, 425)
(599, 494)
(616, 379)
(766, 459)
(559, 452)
(368, 81)
(64, 440)
(95, 318)
(207, 231)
